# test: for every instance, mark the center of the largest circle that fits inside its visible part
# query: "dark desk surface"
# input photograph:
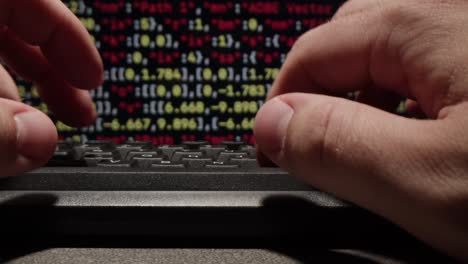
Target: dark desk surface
(207, 255)
(202, 256)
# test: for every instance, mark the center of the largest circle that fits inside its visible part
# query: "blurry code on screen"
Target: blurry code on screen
(186, 70)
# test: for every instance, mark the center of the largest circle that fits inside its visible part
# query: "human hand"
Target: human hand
(43, 42)
(412, 172)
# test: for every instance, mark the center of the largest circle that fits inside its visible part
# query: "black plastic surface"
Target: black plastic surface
(209, 206)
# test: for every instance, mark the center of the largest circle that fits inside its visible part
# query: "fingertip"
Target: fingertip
(28, 138)
(69, 104)
(271, 125)
(94, 77)
(36, 136)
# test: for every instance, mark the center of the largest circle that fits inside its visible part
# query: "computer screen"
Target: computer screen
(185, 70)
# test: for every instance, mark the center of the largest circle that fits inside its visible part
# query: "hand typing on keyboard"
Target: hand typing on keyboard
(411, 171)
(43, 42)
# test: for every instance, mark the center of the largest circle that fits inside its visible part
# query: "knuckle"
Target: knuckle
(392, 13)
(302, 41)
(336, 132)
(352, 7)
(317, 134)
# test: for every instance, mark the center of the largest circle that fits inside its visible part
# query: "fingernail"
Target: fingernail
(271, 127)
(35, 134)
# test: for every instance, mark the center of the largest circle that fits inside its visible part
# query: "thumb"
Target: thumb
(412, 172)
(346, 148)
(27, 138)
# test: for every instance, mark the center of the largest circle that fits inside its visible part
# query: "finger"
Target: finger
(8, 88)
(357, 152)
(62, 98)
(72, 106)
(391, 48)
(335, 58)
(28, 138)
(307, 133)
(60, 35)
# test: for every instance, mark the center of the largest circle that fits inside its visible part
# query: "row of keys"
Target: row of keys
(193, 154)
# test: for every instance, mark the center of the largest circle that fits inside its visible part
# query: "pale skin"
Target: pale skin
(412, 172)
(44, 42)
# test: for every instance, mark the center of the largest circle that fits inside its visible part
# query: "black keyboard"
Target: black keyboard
(193, 190)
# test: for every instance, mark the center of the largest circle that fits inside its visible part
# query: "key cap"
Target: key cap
(144, 154)
(167, 165)
(93, 146)
(114, 164)
(63, 155)
(221, 166)
(195, 163)
(227, 155)
(92, 159)
(244, 163)
(168, 150)
(232, 145)
(133, 146)
(212, 151)
(64, 145)
(194, 145)
(179, 155)
(145, 162)
(251, 151)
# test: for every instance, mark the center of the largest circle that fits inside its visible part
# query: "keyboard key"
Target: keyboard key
(93, 161)
(251, 151)
(137, 154)
(194, 145)
(212, 151)
(179, 155)
(64, 146)
(228, 155)
(133, 146)
(99, 152)
(232, 145)
(196, 163)
(167, 165)
(146, 162)
(221, 166)
(80, 150)
(92, 158)
(144, 154)
(114, 164)
(168, 151)
(244, 163)
(63, 155)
